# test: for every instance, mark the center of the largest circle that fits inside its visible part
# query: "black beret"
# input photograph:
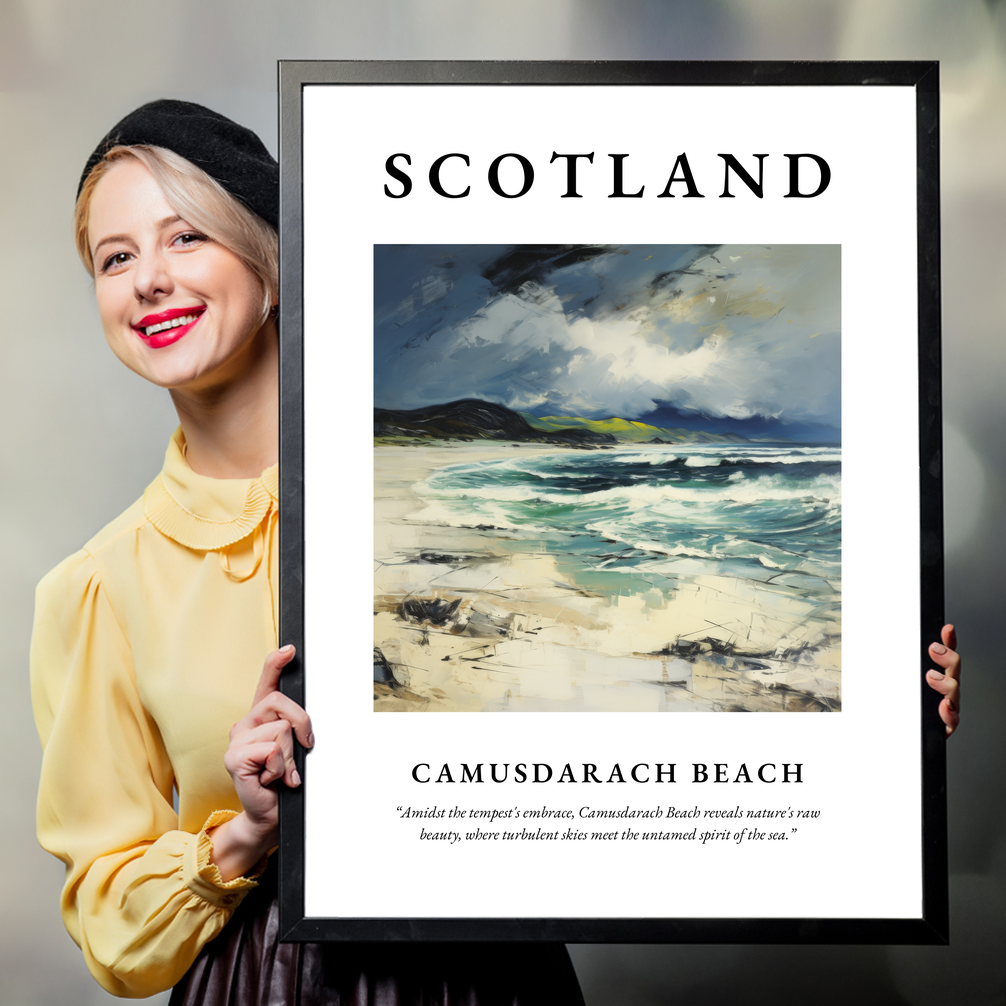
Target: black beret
(230, 154)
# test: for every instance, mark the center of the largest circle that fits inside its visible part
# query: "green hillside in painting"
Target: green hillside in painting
(627, 430)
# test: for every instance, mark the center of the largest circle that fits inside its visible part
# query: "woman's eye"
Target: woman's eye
(189, 238)
(114, 261)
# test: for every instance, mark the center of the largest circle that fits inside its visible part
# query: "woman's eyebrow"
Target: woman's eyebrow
(109, 240)
(160, 225)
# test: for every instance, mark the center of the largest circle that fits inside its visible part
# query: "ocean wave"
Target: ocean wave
(719, 549)
(710, 505)
(763, 489)
(720, 461)
(490, 516)
(783, 459)
(653, 458)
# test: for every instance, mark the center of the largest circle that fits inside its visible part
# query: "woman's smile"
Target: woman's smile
(159, 330)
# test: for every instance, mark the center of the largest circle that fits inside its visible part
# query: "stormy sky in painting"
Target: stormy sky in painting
(719, 337)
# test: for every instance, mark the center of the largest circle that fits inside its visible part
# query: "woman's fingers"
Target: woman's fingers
(947, 682)
(260, 760)
(274, 766)
(277, 706)
(947, 686)
(261, 749)
(949, 636)
(944, 655)
(949, 712)
(270, 703)
(949, 660)
(271, 671)
(951, 717)
(278, 736)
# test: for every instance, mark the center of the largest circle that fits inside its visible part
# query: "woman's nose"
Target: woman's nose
(152, 277)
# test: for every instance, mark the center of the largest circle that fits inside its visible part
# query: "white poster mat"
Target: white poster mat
(861, 857)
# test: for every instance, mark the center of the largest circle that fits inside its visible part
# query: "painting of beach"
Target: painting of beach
(607, 478)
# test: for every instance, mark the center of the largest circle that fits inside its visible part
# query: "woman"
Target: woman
(148, 643)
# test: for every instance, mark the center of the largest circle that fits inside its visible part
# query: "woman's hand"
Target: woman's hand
(260, 753)
(947, 682)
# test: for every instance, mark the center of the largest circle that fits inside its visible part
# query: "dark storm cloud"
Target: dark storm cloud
(596, 330)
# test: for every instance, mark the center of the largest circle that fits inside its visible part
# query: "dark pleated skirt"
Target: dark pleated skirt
(246, 965)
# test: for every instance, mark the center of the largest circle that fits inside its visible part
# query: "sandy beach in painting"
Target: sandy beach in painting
(485, 618)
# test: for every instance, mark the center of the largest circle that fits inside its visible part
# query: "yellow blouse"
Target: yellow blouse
(147, 647)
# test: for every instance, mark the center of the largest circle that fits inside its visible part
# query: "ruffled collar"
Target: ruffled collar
(203, 513)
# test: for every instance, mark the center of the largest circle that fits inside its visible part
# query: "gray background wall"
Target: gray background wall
(82, 436)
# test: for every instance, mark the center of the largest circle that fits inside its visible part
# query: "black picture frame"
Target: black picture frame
(931, 927)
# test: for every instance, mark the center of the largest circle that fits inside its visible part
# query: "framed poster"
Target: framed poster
(610, 412)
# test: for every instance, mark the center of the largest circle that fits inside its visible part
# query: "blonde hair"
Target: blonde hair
(199, 200)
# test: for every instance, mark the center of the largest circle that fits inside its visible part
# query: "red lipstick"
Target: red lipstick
(166, 327)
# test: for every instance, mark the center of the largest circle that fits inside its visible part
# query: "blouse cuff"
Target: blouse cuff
(202, 876)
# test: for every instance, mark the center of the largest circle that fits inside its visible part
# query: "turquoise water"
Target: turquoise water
(752, 510)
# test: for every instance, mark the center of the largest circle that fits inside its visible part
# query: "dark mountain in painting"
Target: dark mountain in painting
(474, 419)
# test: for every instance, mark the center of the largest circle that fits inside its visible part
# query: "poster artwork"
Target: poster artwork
(607, 478)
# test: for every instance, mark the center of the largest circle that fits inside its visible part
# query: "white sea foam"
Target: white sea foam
(650, 458)
(782, 459)
(434, 513)
(668, 506)
(697, 457)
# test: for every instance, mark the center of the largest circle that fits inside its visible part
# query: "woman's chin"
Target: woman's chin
(197, 365)
(172, 374)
